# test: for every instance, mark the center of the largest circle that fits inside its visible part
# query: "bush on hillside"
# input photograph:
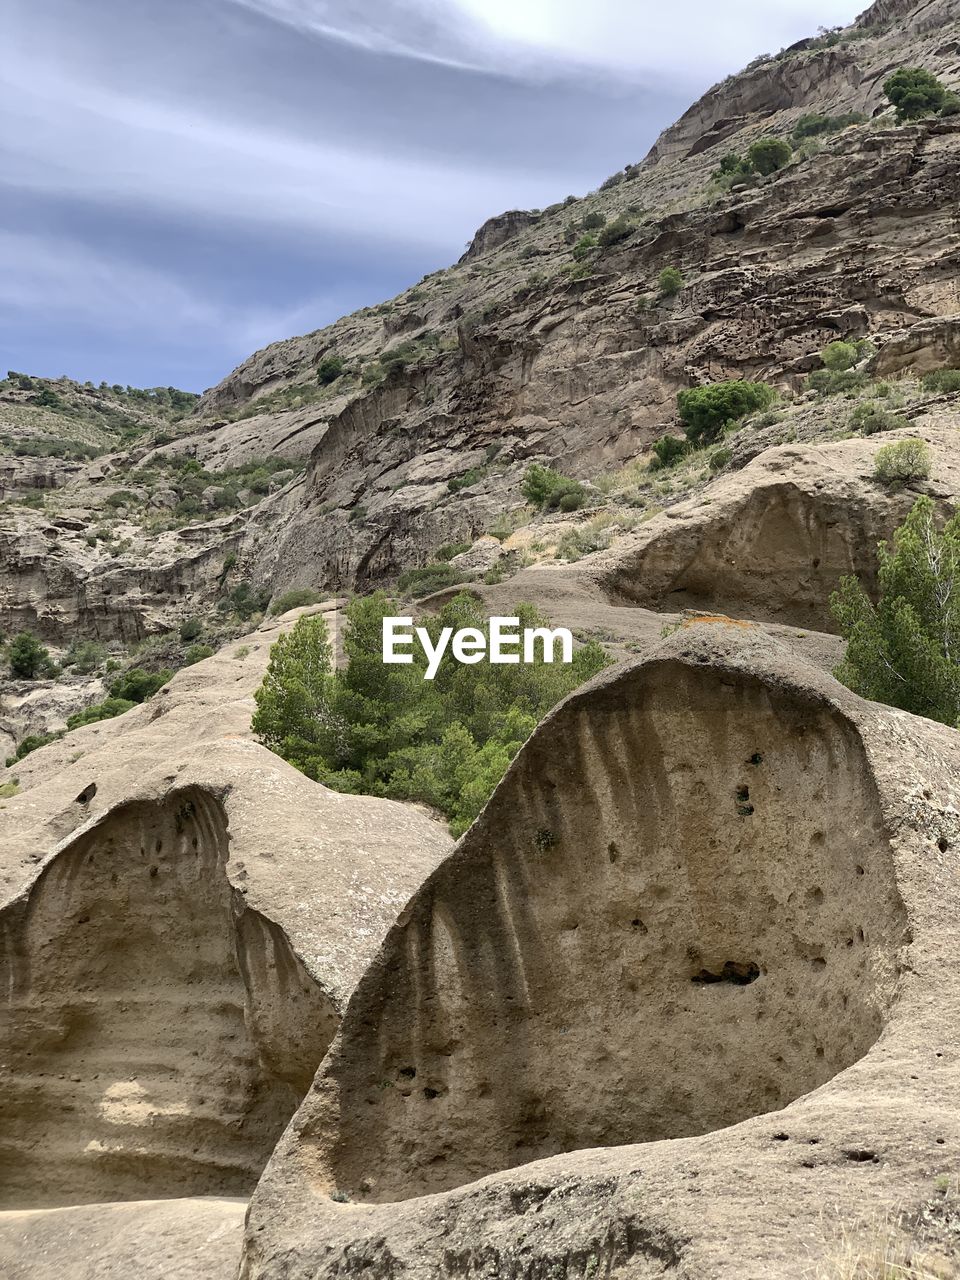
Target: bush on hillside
(815, 126)
(670, 282)
(414, 584)
(668, 451)
(871, 418)
(767, 155)
(915, 93)
(902, 462)
(295, 598)
(593, 221)
(385, 730)
(616, 231)
(705, 411)
(551, 491)
(33, 742)
(100, 711)
(943, 381)
(584, 246)
(28, 658)
(137, 685)
(329, 370)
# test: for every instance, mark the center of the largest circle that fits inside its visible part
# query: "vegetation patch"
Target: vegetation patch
(386, 731)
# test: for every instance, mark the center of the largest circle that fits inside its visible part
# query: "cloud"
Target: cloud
(46, 279)
(83, 136)
(685, 40)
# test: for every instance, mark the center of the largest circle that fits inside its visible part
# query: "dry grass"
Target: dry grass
(924, 1245)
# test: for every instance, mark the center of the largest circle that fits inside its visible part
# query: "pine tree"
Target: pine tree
(905, 649)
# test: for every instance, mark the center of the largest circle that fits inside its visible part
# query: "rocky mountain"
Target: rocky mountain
(689, 977)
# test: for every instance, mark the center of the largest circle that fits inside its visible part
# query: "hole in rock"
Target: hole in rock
(733, 973)
(87, 794)
(538, 1049)
(174, 1019)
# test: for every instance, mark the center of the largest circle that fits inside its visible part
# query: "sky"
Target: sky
(185, 181)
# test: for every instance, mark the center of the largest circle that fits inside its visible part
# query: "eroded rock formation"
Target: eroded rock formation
(157, 1033)
(183, 918)
(710, 887)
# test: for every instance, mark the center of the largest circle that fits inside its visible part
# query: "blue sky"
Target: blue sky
(182, 182)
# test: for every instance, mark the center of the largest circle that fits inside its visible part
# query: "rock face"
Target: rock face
(57, 586)
(497, 231)
(151, 1240)
(143, 991)
(771, 542)
(183, 918)
(709, 888)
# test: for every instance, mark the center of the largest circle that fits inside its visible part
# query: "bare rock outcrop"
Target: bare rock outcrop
(498, 230)
(697, 951)
(183, 917)
(772, 541)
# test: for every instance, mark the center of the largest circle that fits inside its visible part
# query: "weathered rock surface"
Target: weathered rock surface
(772, 541)
(712, 887)
(58, 586)
(145, 1240)
(183, 917)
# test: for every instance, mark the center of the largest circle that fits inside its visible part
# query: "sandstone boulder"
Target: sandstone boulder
(183, 917)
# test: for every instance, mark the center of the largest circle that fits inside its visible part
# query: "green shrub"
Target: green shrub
(244, 600)
(138, 685)
(548, 489)
(827, 382)
(719, 459)
(872, 418)
(417, 583)
(122, 498)
(902, 462)
(814, 126)
(32, 743)
(951, 104)
(942, 381)
(593, 221)
(329, 370)
(584, 246)
(705, 411)
(190, 628)
(456, 735)
(903, 649)
(668, 451)
(837, 356)
(451, 549)
(616, 231)
(85, 656)
(767, 155)
(670, 282)
(469, 478)
(101, 711)
(296, 598)
(914, 93)
(196, 653)
(28, 658)
(568, 496)
(733, 166)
